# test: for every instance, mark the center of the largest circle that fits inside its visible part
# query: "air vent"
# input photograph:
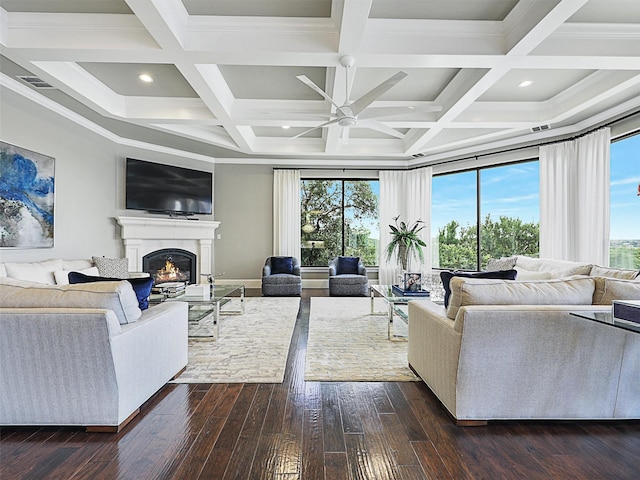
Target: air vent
(418, 155)
(540, 128)
(35, 82)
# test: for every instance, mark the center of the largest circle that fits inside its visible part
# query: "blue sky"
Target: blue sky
(510, 191)
(625, 178)
(513, 190)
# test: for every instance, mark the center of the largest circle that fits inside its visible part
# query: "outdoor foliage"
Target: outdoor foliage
(322, 203)
(457, 244)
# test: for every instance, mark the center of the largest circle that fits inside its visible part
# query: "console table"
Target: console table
(608, 319)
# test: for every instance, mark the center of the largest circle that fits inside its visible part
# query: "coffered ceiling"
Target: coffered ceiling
(224, 71)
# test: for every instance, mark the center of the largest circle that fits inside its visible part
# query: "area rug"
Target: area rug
(250, 348)
(348, 344)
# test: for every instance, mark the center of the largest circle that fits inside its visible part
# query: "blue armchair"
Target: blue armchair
(281, 277)
(348, 277)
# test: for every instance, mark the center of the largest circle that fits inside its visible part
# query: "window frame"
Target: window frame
(477, 171)
(342, 180)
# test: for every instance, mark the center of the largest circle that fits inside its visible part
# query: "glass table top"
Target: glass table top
(609, 319)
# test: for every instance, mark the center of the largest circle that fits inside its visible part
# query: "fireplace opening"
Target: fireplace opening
(170, 265)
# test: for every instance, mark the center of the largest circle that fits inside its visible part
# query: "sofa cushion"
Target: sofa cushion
(598, 271)
(348, 265)
(282, 265)
(39, 272)
(608, 289)
(480, 291)
(112, 267)
(141, 285)
(447, 276)
(62, 276)
(116, 296)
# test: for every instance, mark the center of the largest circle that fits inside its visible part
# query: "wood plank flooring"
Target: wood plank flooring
(317, 430)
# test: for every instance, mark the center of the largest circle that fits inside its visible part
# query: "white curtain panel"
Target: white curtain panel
(408, 194)
(418, 207)
(392, 204)
(574, 199)
(286, 213)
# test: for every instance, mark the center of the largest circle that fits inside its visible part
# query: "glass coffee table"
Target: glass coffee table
(396, 307)
(205, 313)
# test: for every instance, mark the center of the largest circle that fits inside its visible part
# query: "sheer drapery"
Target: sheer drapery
(408, 194)
(286, 212)
(574, 199)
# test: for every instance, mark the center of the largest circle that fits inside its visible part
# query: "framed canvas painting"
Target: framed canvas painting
(26, 198)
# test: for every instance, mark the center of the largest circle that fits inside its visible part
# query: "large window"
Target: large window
(502, 203)
(625, 203)
(339, 217)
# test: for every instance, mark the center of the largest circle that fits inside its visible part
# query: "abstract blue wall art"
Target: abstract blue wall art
(26, 198)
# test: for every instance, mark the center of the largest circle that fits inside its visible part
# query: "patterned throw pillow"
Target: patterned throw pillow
(112, 267)
(504, 263)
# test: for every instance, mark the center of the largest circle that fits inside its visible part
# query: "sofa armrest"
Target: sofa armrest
(434, 349)
(57, 367)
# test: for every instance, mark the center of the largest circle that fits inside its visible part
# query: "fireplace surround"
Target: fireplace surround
(143, 235)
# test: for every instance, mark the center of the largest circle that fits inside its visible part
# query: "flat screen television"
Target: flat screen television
(155, 187)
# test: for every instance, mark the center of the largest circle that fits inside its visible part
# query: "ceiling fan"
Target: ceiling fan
(358, 113)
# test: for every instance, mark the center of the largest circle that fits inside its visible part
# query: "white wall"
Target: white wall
(89, 179)
(85, 175)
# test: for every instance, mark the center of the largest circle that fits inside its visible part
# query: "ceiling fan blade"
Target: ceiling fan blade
(304, 79)
(379, 112)
(330, 122)
(380, 127)
(345, 135)
(373, 94)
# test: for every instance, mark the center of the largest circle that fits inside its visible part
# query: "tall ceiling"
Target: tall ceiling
(225, 71)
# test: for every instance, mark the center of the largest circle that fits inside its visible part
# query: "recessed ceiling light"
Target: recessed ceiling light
(145, 77)
(286, 127)
(526, 83)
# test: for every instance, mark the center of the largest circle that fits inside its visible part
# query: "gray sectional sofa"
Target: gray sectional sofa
(84, 354)
(512, 350)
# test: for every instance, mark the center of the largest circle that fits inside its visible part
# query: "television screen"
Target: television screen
(165, 188)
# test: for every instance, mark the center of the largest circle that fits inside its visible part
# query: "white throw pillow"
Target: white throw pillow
(524, 275)
(40, 272)
(62, 276)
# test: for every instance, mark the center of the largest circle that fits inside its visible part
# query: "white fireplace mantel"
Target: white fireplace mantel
(142, 235)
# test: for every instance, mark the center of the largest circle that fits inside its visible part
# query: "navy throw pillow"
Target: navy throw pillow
(142, 285)
(348, 265)
(282, 265)
(447, 276)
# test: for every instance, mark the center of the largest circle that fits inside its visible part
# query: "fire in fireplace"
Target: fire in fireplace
(170, 265)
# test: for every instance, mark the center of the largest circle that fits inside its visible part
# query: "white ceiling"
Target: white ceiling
(225, 70)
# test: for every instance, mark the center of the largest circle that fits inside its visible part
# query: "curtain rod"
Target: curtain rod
(542, 144)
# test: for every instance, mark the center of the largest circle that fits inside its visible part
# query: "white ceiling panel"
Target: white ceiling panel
(225, 71)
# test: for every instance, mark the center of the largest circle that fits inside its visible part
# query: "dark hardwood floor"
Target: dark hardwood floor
(318, 430)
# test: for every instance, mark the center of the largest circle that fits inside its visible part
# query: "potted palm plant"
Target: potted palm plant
(405, 242)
